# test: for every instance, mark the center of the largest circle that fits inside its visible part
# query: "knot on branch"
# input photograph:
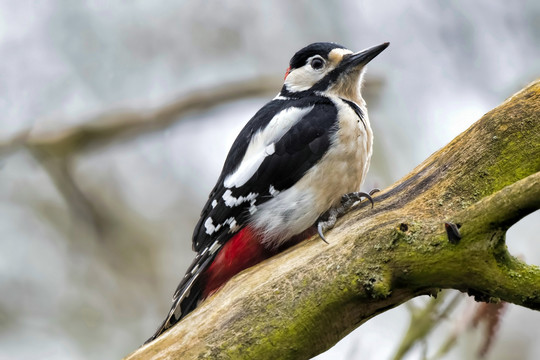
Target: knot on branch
(377, 284)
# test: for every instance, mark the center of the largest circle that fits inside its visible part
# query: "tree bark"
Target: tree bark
(301, 302)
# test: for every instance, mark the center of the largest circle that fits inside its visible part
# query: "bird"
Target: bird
(295, 167)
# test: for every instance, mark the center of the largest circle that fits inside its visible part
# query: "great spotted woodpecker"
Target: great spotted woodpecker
(287, 169)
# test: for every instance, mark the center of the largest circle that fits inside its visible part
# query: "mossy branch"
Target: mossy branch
(301, 302)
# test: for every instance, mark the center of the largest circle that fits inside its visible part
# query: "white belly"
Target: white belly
(341, 170)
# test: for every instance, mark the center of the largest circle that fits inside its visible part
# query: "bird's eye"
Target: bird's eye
(317, 63)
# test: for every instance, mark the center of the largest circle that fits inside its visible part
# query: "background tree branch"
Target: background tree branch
(300, 303)
(114, 124)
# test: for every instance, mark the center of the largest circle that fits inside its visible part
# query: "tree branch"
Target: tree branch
(121, 124)
(59, 169)
(117, 123)
(301, 302)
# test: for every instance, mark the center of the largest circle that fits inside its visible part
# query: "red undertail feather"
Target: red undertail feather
(243, 250)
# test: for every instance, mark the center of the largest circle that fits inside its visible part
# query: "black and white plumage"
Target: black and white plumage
(290, 164)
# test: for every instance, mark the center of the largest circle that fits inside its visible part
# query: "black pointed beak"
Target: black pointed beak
(361, 58)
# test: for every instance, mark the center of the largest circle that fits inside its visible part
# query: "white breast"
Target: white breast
(341, 170)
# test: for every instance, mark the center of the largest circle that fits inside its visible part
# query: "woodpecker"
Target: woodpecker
(286, 173)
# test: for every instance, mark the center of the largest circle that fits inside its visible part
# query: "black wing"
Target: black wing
(295, 153)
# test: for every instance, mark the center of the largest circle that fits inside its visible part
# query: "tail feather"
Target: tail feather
(188, 294)
(213, 267)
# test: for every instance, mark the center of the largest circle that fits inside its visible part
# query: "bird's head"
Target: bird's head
(328, 67)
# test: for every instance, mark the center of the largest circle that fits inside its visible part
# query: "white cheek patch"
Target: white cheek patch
(262, 144)
(302, 79)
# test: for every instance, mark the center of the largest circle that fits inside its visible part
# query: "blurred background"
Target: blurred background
(116, 118)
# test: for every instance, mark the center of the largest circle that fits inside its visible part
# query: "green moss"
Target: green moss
(405, 232)
(381, 288)
(515, 158)
(307, 310)
(396, 262)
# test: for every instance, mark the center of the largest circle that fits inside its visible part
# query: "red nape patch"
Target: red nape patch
(243, 250)
(287, 72)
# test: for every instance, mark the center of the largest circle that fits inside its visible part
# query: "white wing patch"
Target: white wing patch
(247, 168)
(230, 201)
(262, 144)
(211, 228)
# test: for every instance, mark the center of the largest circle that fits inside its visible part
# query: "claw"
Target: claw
(368, 196)
(349, 199)
(320, 231)
(347, 202)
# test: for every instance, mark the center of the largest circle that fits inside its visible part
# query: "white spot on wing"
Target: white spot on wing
(233, 225)
(232, 201)
(214, 204)
(252, 209)
(272, 190)
(228, 198)
(210, 228)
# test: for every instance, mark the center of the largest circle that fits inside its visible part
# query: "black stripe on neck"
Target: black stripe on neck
(357, 110)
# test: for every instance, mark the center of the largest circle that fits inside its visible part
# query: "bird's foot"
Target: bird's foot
(330, 217)
(328, 220)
